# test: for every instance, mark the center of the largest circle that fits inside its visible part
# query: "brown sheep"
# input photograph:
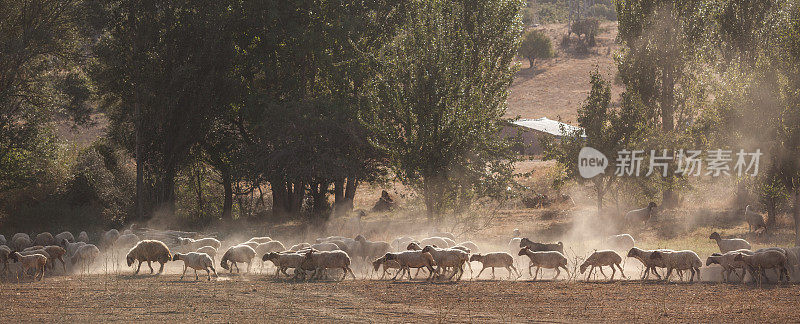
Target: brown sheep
(149, 250)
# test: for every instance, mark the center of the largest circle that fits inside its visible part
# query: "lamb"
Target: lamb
(448, 258)
(192, 245)
(64, 236)
(237, 254)
(473, 248)
(321, 260)
(400, 242)
(125, 241)
(412, 259)
(679, 260)
(109, 237)
(438, 241)
(283, 261)
(641, 215)
(85, 255)
(728, 264)
(149, 250)
(727, 245)
(754, 220)
(33, 261)
(83, 237)
(261, 240)
(760, 261)
(539, 247)
(210, 250)
(545, 259)
(196, 261)
(620, 242)
(495, 259)
(369, 249)
(325, 246)
(298, 247)
(603, 258)
(387, 264)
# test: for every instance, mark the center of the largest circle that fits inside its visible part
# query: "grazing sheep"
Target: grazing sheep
(196, 261)
(650, 264)
(438, 241)
(331, 238)
(298, 247)
(400, 242)
(210, 250)
(679, 260)
(283, 261)
(126, 241)
(189, 244)
(620, 242)
(21, 242)
(726, 261)
(325, 246)
(412, 259)
(237, 254)
(540, 247)
(545, 259)
(754, 220)
(63, 236)
(321, 260)
(369, 249)
(495, 259)
(149, 250)
(641, 215)
(601, 259)
(83, 237)
(85, 255)
(261, 240)
(760, 261)
(448, 258)
(33, 261)
(471, 246)
(387, 264)
(727, 245)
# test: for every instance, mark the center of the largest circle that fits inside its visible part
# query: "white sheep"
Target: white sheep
(728, 264)
(85, 256)
(252, 245)
(321, 260)
(44, 239)
(368, 249)
(620, 242)
(438, 241)
(448, 258)
(18, 235)
(263, 239)
(126, 241)
(679, 260)
(444, 235)
(190, 244)
(412, 259)
(109, 237)
(284, 261)
(64, 236)
(83, 237)
(727, 245)
(387, 264)
(754, 220)
(71, 247)
(401, 242)
(325, 246)
(473, 248)
(545, 259)
(196, 261)
(149, 250)
(210, 250)
(495, 259)
(237, 254)
(33, 261)
(300, 246)
(601, 259)
(760, 261)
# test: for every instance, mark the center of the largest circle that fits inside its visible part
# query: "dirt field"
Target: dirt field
(102, 298)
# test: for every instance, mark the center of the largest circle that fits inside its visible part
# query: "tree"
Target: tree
(536, 45)
(440, 97)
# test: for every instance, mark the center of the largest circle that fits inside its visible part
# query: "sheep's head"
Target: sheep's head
(656, 255)
(413, 246)
(712, 260)
(360, 238)
(714, 236)
(584, 266)
(269, 256)
(130, 259)
(64, 242)
(523, 251)
(633, 252)
(389, 256)
(14, 256)
(738, 257)
(476, 257)
(176, 257)
(524, 242)
(377, 263)
(183, 241)
(427, 249)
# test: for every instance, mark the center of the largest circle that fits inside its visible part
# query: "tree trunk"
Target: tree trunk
(796, 210)
(338, 197)
(227, 183)
(669, 198)
(601, 192)
(280, 203)
(531, 61)
(200, 202)
(350, 193)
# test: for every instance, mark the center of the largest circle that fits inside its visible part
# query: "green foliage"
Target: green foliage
(441, 96)
(586, 27)
(536, 45)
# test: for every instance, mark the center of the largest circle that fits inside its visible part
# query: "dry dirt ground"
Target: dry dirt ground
(105, 298)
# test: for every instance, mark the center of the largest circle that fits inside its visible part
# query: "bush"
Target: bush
(536, 45)
(587, 27)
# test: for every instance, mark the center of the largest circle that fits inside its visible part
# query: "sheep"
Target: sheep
(620, 242)
(728, 264)
(261, 240)
(85, 255)
(540, 247)
(641, 215)
(33, 261)
(125, 241)
(650, 264)
(321, 260)
(760, 261)
(387, 264)
(412, 259)
(71, 247)
(18, 235)
(210, 250)
(298, 247)
(32, 248)
(400, 242)
(727, 245)
(325, 246)
(237, 254)
(448, 258)
(83, 237)
(413, 246)
(63, 235)
(109, 237)
(344, 247)
(444, 235)
(149, 250)
(330, 238)
(21, 242)
(192, 244)
(3, 240)
(196, 261)
(264, 248)
(461, 248)
(545, 259)
(252, 245)
(56, 253)
(679, 260)
(369, 249)
(4, 253)
(438, 241)
(283, 261)
(754, 220)
(471, 246)
(603, 258)
(495, 259)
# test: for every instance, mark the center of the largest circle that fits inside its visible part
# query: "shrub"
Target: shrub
(536, 45)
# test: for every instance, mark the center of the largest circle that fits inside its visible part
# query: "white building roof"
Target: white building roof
(549, 126)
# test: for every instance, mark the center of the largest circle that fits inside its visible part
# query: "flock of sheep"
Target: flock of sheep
(438, 255)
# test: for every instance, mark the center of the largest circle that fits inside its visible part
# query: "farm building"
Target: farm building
(530, 130)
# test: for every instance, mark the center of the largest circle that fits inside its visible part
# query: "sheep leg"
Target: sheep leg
(137, 268)
(492, 273)
(621, 272)
(461, 272)
(195, 275)
(149, 264)
(402, 270)
(516, 270)
(589, 274)
(530, 266)
(537, 273)
(669, 273)
(248, 267)
(480, 272)
(601, 271)
(64, 265)
(613, 272)
(184, 272)
(558, 272)
(161, 269)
